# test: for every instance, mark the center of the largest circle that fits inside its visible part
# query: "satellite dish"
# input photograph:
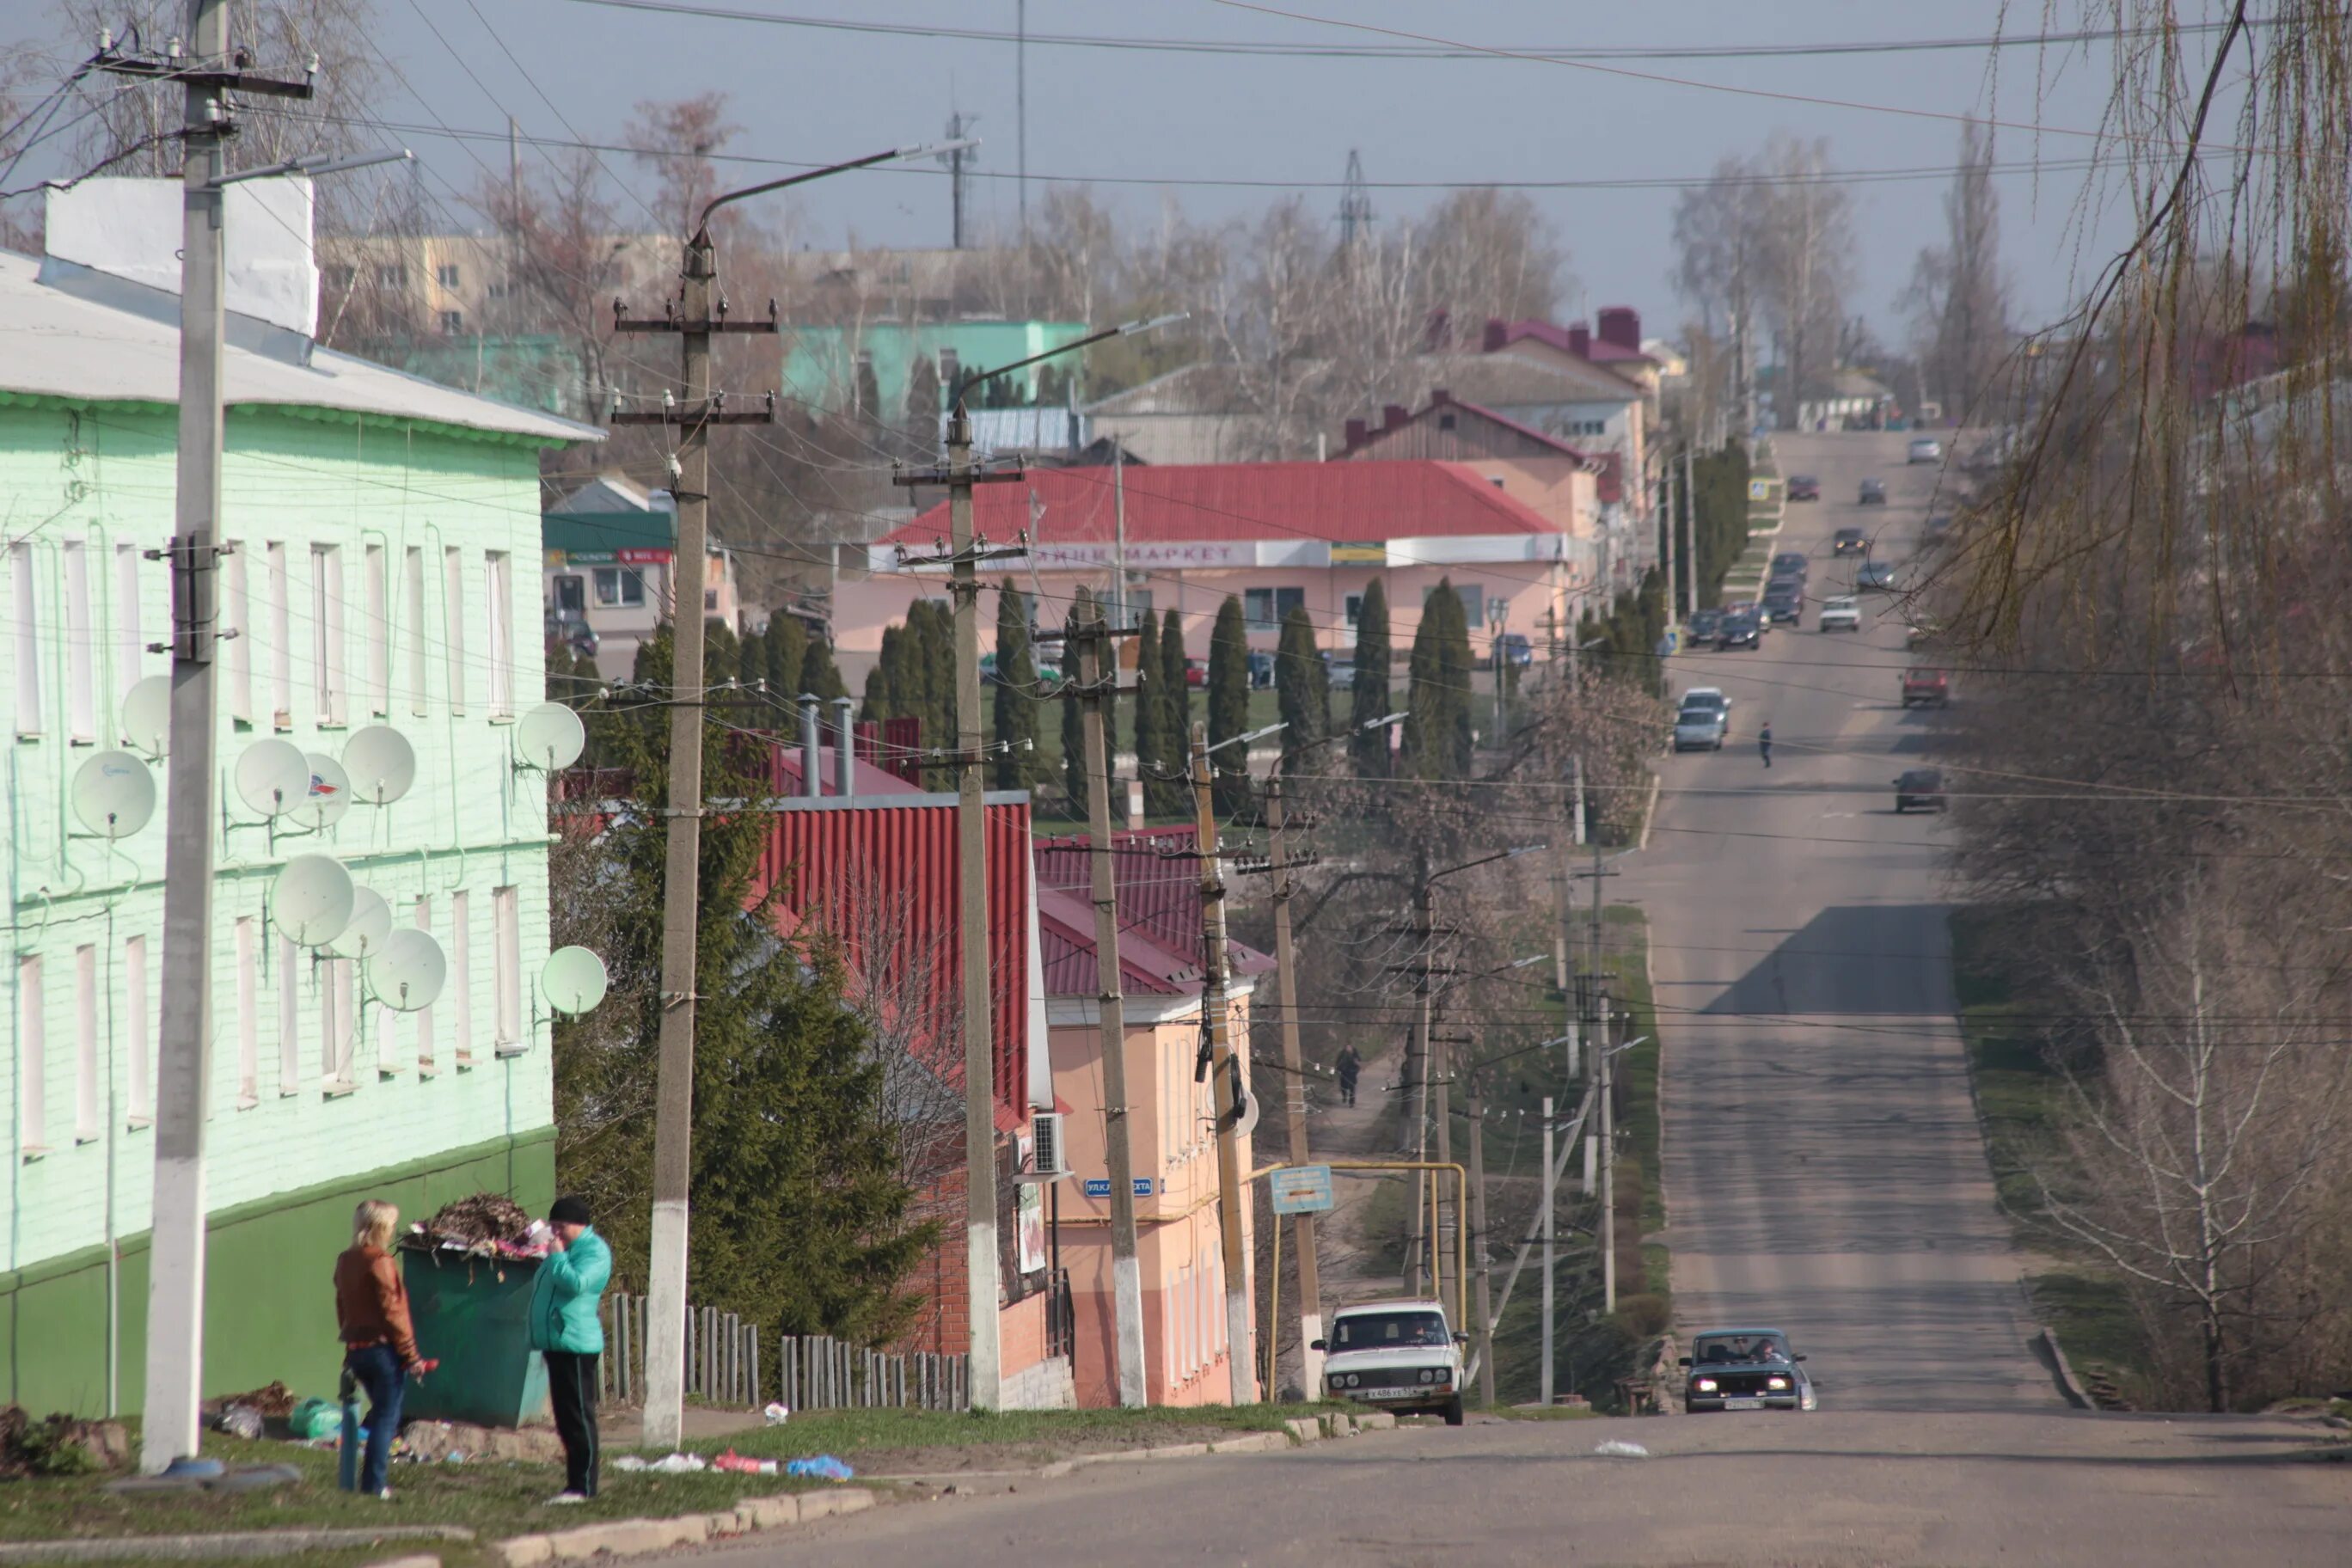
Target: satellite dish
(147, 715)
(550, 736)
(370, 927)
(380, 763)
(408, 971)
(273, 777)
(114, 794)
(312, 899)
(573, 979)
(329, 795)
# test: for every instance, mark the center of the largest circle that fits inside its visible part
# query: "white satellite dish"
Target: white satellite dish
(147, 715)
(113, 795)
(573, 979)
(329, 795)
(380, 763)
(408, 971)
(312, 899)
(273, 777)
(550, 736)
(368, 929)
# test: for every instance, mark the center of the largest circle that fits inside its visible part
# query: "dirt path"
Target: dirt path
(1353, 1261)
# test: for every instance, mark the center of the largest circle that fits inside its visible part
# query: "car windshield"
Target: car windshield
(1704, 697)
(1737, 1350)
(1922, 778)
(1389, 1331)
(1839, 604)
(1803, 479)
(1849, 533)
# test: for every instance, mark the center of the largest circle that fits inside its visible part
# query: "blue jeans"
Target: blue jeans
(387, 1381)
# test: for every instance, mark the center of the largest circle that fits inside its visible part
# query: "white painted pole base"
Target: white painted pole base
(1310, 1329)
(173, 1414)
(1241, 1347)
(1126, 1306)
(987, 1343)
(664, 1419)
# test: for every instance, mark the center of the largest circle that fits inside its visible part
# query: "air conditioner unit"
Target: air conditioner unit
(1053, 1156)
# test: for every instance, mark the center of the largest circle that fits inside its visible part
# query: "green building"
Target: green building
(822, 364)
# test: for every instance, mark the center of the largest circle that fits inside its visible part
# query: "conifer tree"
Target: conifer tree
(1228, 695)
(1302, 688)
(819, 674)
(1437, 696)
(785, 647)
(1074, 735)
(1369, 698)
(1169, 793)
(1015, 707)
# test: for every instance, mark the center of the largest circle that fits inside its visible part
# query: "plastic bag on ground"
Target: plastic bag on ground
(667, 1465)
(316, 1418)
(825, 1467)
(1615, 1449)
(778, 1414)
(742, 1465)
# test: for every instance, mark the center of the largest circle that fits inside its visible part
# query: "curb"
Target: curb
(2068, 1384)
(636, 1537)
(243, 1544)
(1297, 1433)
(1649, 813)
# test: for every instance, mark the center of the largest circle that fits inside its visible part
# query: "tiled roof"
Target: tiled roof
(1339, 502)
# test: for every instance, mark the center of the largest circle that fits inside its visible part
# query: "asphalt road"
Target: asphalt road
(1824, 1173)
(1954, 1491)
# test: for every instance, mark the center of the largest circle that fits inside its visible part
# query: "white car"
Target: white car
(1840, 614)
(1397, 1355)
(1926, 449)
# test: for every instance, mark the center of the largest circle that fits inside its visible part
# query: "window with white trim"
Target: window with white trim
(461, 976)
(453, 615)
(130, 648)
(412, 593)
(249, 1012)
(498, 584)
(620, 587)
(506, 932)
(236, 616)
(281, 626)
(81, 648)
(290, 1017)
(139, 1058)
(329, 696)
(377, 629)
(32, 1058)
(338, 1021)
(423, 1015)
(1265, 607)
(25, 607)
(89, 1111)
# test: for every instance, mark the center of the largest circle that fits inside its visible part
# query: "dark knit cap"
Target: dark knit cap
(569, 1211)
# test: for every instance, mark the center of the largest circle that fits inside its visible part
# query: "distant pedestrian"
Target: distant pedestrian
(1764, 744)
(1352, 1067)
(379, 1342)
(566, 1330)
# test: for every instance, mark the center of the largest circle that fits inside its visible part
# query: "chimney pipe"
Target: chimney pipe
(1393, 415)
(1622, 325)
(1580, 340)
(812, 771)
(1355, 434)
(1498, 331)
(844, 748)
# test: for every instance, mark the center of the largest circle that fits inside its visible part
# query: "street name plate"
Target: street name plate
(1301, 1189)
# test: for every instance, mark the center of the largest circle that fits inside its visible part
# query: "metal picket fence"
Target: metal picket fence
(724, 1366)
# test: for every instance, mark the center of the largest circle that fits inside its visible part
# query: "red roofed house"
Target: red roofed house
(1274, 534)
(1171, 1118)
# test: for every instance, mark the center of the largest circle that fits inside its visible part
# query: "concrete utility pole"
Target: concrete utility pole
(1690, 534)
(1240, 1361)
(1416, 1084)
(1607, 1091)
(1100, 675)
(1483, 1327)
(1294, 1068)
(1544, 1228)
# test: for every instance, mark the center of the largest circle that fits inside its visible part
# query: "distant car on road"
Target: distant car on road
(1849, 541)
(1704, 720)
(1804, 486)
(1926, 449)
(1791, 563)
(1784, 601)
(1922, 787)
(1261, 668)
(1741, 628)
(1396, 1356)
(1514, 648)
(1935, 530)
(1926, 687)
(1842, 614)
(1196, 672)
(1872, 493)
(1919, 633)
(1744, 1369)
(1701, 630)
(1875, 574)
(1338, 674)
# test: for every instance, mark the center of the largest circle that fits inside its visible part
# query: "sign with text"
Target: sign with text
(1145, 557)
(1099, 1187)
(1300, 1189)
(1360, 552)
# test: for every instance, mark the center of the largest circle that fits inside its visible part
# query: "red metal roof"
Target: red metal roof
(1158, 888)
(1338, 502)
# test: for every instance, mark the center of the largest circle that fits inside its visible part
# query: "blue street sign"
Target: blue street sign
(1099, 1187)
(1301, 1189)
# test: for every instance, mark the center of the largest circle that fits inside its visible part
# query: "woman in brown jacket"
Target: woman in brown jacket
(379, 1345)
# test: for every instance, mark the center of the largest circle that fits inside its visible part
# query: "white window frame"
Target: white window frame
(32, 1057)
(330, 693)
(249, 1013)
(25, 607)
(89, 1112)
(453, 617)
(412, 572)
(338, 1023)
(290, 1017)
(378, 631)
(426, 1066)
(139, 1059)
(621, 578)
(497, 588)
(237, 616)
(130, 646)
(506, 938)
(461, 976)
(81, 646)
(281, 626)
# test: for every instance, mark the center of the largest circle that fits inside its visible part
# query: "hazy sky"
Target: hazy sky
(1096, 115)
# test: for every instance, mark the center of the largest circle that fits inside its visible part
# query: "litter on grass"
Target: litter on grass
(667, 1465)
(825, 1467)
(778, 1415)
(742, 1465)
(1617, 1450)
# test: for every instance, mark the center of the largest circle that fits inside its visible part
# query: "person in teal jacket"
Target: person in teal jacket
(566, 1330)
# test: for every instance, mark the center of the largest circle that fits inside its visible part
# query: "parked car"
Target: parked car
(1741, 628)
(1875, 574)
(1746, 1369)
(1196, 672)
(578, 635)
(1784, 601)
(1700, 728)
(1849, 541)
(1261, 668)
(1919, 633)
(1702, 628)
(1804, 486)
(1397, 1355)
(1791, 563)
(1706, 697)
(1926, 449)
(1842, 614)
(1926, 687)
(1922, 787)
(1936, 529)
(1872, 493)
(1515, 647)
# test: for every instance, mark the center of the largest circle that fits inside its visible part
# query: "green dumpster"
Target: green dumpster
(473, 1315)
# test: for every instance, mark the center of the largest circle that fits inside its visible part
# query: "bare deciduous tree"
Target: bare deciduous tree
(1959, 291)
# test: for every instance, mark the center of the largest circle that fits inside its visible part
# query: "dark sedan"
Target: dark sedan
(1872, 493)
(1922, 787)
(1804, 486)
(1791, 564)
(1744, 1369)
(1784, 601)
(1703, 626)
(1849, 541)
(1743, 629)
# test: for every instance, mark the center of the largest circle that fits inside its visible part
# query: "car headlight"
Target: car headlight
(1705, 1385)
(1353, 1380)
(1780, 1383)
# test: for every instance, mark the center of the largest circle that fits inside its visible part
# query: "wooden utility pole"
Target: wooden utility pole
(1294, 1068)
(1545, 1224)
(1607, 1087)
(1416, 1086)
(1099, 677)
(1240, 1361)
(1484, 1326)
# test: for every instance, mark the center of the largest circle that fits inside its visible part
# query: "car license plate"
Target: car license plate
(1743, 1405)
(1385, 1393)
